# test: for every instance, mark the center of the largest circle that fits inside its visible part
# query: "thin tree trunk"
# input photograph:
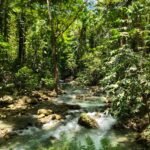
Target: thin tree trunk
(4, 19)
(1, 16)
(5, 32)
(82, 45)
(53, 47)
(55, 63)
(21, 30)
(82, 39)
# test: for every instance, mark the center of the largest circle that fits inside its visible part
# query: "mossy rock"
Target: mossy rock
(88, 122)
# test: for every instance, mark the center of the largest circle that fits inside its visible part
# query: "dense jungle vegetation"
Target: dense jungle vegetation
(100, 43)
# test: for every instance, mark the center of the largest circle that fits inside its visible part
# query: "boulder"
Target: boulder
(44, 119)
(45, 112)
(6, 99)
(27, 100)
(87, 121)
(52, 94)
(36, 94)
(56, 117)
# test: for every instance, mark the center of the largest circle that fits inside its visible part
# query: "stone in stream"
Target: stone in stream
(44, 112)
(87, 121)
(56, 117)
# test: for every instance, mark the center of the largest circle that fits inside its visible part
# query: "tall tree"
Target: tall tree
(59, 12)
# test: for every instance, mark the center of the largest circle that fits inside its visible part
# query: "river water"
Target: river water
(34, 138)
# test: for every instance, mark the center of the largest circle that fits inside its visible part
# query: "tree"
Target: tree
(58, 27)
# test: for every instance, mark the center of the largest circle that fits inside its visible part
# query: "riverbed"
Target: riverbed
(36, 138)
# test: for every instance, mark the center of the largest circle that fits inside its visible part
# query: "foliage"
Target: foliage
(48, 82)
(103, 43)
(26, 78)
(119, 60)
(89, 145)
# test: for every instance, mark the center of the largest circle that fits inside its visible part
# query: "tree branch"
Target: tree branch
(73, 20)
(49, 11)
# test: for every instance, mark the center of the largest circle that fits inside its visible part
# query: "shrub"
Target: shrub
(48, 82)
(26, 78)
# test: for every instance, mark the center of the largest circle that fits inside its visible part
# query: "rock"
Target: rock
(56, 117)
(41, 116)
(52, 94)
(23, 100)
(36, 94)
(4, 133)
(31, 101)
(45, 112)
(144, 137)
(87, 121)
(6, 99)
(45, 119)
(27, 100)
(80, 96)
(71, 106)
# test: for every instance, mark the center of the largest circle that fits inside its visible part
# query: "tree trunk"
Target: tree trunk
(4, 19)
(91, 40)
(21, 31)
(1, 16)
(53, 46)
(82, 46)
(82, 39)
(55, 61)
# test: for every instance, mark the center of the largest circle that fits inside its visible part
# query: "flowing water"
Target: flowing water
(34, 138)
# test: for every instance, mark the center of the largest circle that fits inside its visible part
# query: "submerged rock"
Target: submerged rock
(87, 121)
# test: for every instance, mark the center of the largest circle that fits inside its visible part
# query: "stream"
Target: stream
(34, 138)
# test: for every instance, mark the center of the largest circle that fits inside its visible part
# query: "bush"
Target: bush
(126, 81)
(26, 78)
(48, 82)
